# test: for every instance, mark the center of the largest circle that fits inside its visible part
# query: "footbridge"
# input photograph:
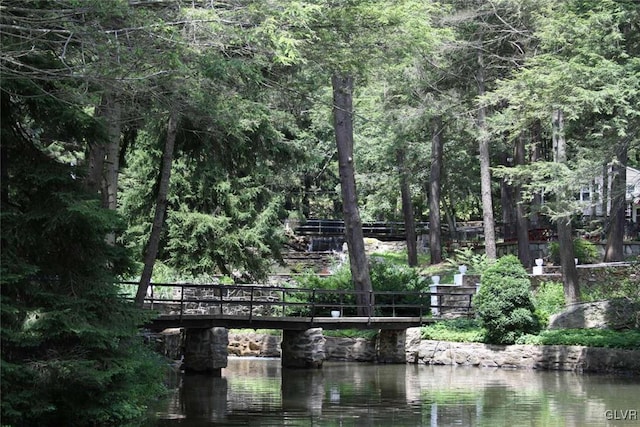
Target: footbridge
(206, 311)
(334, 227)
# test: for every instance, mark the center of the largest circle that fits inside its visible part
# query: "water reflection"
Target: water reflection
(258, 392)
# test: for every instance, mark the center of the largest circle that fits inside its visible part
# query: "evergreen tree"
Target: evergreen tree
(69, 344)
(70, 349)
(586, 66)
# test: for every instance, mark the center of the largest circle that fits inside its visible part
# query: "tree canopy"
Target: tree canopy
(185, 133)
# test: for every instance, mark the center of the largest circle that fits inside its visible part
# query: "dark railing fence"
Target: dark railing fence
(277, 301)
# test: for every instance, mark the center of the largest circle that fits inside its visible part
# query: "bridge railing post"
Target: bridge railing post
(221, 300)
(313, 304)
(251, 303)
(284, 302)
(393, 305)
(181, 301)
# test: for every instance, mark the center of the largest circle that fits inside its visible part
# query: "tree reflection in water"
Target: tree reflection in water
(258, 392)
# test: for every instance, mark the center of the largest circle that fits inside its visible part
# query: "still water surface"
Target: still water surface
(258, 392)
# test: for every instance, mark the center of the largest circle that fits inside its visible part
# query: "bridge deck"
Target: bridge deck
(290, 323)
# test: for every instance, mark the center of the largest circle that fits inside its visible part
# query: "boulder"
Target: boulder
(620, 313)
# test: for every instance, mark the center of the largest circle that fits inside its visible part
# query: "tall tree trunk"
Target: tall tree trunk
(435, 181)
(343, 125)
(508, 203)
(102, 163)
(450, 218)
(614, 249)
(113, 116)
(407, 209)
(593, 212)
(485, 165)
(4, 176)
(95, 167)
(605, 192)
(522, 222)
(112, 152)
(565, 231)
(536, 155)
(306, 206)
(151, 251)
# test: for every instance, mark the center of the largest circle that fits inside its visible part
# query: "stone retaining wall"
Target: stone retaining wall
(549, 357)
(591, 275)
(556, 357)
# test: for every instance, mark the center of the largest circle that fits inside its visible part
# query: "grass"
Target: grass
(456, 330)
(629, 339)
(463, 330)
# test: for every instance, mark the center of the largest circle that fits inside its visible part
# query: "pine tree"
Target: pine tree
(70, 349)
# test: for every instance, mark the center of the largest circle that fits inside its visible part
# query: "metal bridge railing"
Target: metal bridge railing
(253, 300)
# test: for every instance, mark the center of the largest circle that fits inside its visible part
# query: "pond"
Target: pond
(258, 392)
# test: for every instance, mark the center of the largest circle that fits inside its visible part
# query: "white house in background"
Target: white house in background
(592, 196)
(633, 193)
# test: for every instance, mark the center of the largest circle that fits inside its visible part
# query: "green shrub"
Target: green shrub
(586, 337)
(476, 263)
(548, 299)
(584, 250)
(456, 330)
(390, 277)
(400, 257)
(385, 277)
(503, 303)
(340, 280)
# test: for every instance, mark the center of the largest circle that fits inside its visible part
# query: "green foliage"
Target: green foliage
(216, 223)
(399, 258)
(352, 333)
(340, 280)
(69, 346)
(614, 283)
(503, 302)
(477, 263)
(466, 330)
(586, 337)
(385, 277)
(548, 299)
(584, 250)
(455, 330)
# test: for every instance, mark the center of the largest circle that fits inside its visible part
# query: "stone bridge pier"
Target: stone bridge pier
(390, 346)
(303, 349)
(205, 350)
(306, 349)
